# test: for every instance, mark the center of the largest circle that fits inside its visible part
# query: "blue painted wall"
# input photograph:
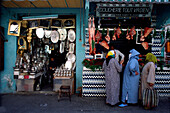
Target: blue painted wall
(10, 47)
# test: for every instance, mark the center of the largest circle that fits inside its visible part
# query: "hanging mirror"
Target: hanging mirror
(63, 34)
(40, 32)
(62, 44)
(69, 23)
(54, 36)
(71, 35)
(22, 43)
(33, 24)
(45, 23)
(71, 47)
(47, 33)
(14, 27)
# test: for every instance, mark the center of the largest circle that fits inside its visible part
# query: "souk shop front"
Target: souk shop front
(41, 45)
(36, 31)
(124, 24)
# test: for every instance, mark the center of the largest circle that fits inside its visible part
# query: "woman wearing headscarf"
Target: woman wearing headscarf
(131, 80)
(112, 68)
(148, 72)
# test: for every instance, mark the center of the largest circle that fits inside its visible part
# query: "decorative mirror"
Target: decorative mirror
(33, 24)
(56, 23)
(62, 44)
(69, 23)
(14, 27)
(51, 47)
(71, 47)
(22, 44)
(45, 23)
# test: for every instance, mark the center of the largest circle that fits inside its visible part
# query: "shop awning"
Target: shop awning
(41, 3)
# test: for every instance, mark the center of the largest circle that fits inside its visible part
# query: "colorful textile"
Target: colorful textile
(151, 58)
(111, 53)
(147, 76)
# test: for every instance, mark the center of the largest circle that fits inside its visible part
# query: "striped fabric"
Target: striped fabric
(150, 98)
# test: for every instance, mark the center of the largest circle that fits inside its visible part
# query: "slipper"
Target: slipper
(123, 105)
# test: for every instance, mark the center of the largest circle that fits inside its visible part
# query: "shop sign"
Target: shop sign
(123, 10)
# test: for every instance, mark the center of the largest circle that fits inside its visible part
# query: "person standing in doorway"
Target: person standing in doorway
(131, 80)
(112, 68)
(52, 67)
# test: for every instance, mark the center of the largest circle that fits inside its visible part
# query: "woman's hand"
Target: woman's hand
(136, 73)
(150, 84)
(121, 62)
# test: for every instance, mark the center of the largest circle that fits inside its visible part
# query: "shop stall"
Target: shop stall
(46, 51)
(127, 26)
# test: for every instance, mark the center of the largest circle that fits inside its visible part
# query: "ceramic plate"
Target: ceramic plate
(68, 65)
(71, 57)
(47, 33)
(54, 36)
(62, 44)
(71, 47)
(40, 32)
(71, 35)
(63, 34)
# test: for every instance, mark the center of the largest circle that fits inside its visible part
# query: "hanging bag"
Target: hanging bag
(150, 98)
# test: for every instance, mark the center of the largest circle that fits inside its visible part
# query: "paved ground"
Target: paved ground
(47, 103)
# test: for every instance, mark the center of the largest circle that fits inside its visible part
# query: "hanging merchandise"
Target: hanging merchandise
(33, 24)
(68, 64)
(71, 47)
(104, 44)
(47, 33)
(63, 34)
(118, 32)
(54, 36)
(147, 31)
(127, 34)
(142, 38)
(98, 36)
(71, 35)
(92, 36)
(107, 37)
(71, 57)
(145, 45)
(40, 32)
(114, 34)
(62, 44)
(132, 32)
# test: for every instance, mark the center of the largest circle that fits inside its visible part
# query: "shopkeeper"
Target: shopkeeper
(52, 67)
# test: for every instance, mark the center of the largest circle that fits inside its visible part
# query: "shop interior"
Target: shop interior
(46, 51)
(125, 32)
